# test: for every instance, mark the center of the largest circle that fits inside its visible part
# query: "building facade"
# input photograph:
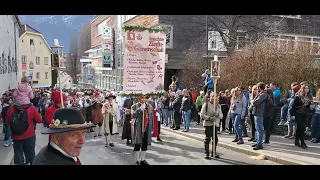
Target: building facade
(9, 53)
(35, 55)
(86, 80)
(107, 75)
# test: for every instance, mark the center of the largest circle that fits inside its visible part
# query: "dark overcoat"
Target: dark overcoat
(50, 156)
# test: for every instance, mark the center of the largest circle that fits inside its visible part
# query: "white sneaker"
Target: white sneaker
(5, 145)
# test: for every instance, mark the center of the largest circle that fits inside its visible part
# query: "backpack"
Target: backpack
(19, 121)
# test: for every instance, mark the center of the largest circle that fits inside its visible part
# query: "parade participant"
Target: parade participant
(88, 105)
(111, 119)
(67, 130)
(56, 99)
(142, 113)
(76, 104)
(210, 113)
(126, 131)
(120, 101)
(97, 118)
(156, 119)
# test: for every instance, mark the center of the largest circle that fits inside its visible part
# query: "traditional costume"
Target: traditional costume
(111, 119)
(126, 131)
(56, 99)
(143, 122)
(97, 118)
(65, 120)
(156, 119)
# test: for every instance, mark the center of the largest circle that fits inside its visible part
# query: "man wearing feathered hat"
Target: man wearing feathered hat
(67, 131)
(142, 113)
(111, 119)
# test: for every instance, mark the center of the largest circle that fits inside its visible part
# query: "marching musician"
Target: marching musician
(111, 119)
(142, 112)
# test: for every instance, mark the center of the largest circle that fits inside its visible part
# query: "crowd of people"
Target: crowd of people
(103, 112)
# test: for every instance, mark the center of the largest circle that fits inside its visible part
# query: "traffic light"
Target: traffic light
(55, 60)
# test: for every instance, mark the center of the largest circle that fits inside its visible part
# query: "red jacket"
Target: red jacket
(49, 114)
(33, 117)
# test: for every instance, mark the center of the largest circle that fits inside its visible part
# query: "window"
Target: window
(169, 35)
(215, 41)
(24, 59)
(38, 75)
(46, 75)
(31, 42)
(37, 60)
(46, 60)
(100, 26)
(290, 16)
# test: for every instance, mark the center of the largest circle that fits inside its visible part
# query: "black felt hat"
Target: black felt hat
(111, 95)
(65, 120)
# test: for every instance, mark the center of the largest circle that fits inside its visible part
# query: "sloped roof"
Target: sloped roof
(26, 28)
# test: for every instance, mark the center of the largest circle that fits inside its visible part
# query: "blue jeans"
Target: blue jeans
(315, 126)
(236, 118)
(292, 128)
(187, 117)
(259, 129)
(7, 135)
(284, 112)
(165, 116)
(24, 147)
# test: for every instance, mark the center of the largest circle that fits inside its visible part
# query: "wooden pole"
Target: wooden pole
(61, 96)
(214, 122)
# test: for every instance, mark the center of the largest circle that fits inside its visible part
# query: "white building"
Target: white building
(9, 57)
(66, 80)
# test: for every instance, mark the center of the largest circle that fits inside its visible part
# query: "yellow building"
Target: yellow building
(35, 55)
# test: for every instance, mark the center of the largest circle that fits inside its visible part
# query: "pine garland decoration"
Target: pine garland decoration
(137, 95)
(141, 28)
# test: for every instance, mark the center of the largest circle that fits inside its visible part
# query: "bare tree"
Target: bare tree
(85, 38)
(251, 28)
(190, 76)
(73, 62)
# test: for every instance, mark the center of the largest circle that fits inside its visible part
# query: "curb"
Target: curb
(270, 157)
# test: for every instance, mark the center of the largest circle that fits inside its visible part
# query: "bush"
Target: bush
(265, 62)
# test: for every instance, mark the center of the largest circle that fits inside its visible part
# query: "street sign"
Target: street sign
(107, 58)
(107, 47)
(107, 33)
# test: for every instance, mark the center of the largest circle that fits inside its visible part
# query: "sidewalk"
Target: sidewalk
(280, 150)
(6, 153)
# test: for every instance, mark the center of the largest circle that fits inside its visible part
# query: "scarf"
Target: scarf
(305, 99)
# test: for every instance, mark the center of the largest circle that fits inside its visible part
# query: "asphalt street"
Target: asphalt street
(173, 150)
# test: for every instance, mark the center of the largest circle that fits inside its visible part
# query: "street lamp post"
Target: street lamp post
(215, 73)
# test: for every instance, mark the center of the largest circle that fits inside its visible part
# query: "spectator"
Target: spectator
(23, 142)
(237, 113)
(276, 93)
(258, 111)
(302, 105)
(7, 102)
(23, 93)
(315, 123)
